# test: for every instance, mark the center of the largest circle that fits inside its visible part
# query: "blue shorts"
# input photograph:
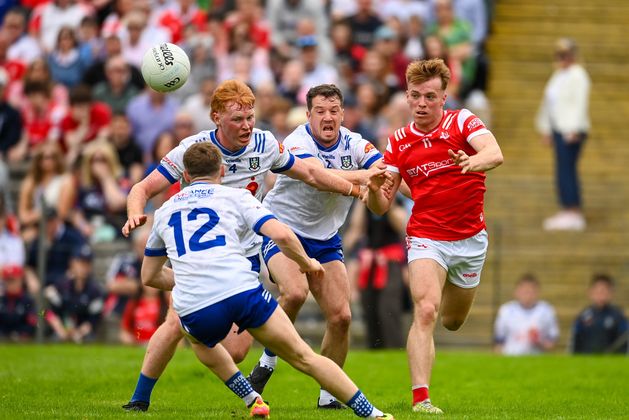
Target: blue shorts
(255, 263)
(249, 309)
(322, 251)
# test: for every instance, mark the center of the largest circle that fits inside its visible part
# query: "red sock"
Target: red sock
(420, 393)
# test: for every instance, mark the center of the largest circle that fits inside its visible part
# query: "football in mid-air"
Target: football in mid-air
(165, 67)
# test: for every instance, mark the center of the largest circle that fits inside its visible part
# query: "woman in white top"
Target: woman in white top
(563, 121)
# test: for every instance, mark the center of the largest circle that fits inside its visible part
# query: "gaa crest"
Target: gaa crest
(346, 162)
(254, 163)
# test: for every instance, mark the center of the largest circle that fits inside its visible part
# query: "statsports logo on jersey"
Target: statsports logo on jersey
(440, 192)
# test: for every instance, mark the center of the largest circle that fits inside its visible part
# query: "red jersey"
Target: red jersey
(448, 204)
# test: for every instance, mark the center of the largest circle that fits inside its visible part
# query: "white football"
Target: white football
(165, 67)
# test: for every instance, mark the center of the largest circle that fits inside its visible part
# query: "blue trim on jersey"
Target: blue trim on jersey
(160, 168)
(291, 162)
(347, 139)
(249, 309)
(371, 160)
(255, 263)
(305, 156)
(259, 142)
(259, 223)
(222, 149)
(155, 252)
(319, 145)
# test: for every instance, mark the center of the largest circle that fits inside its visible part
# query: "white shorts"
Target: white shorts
(463, 260)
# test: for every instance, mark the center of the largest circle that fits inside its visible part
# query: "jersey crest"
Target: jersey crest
(254, 163)
(346, 162)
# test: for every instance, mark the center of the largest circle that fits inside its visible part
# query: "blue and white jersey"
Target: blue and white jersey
(201, 230)
(245, 168)
(311, 213)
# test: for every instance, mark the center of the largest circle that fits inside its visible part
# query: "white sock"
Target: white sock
(268, 361)
(375, 413)
(250, 398)
(325, 397)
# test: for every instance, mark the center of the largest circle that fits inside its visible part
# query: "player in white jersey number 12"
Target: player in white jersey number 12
(200, 230)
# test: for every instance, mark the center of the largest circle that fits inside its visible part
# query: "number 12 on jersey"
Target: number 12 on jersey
(195, 243)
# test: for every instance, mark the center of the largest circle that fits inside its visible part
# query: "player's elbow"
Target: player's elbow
(282, 235)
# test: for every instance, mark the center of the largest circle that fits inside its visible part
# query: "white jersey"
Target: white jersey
(245, 168)
(311, 213)
(515, 326)
(201, 229)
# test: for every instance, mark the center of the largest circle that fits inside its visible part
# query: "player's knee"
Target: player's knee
(294, 297)
(238, 355)
(452, 323)
(341, 320)
(426, 312)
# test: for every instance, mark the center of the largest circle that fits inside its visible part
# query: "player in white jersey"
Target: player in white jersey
(248, 154)
(200, 230)
(316, 217)
(526, 325)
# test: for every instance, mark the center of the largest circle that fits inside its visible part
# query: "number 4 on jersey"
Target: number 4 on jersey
(232, 168)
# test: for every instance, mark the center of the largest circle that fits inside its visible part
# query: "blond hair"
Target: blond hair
(424, 70)
(107, 150)
(231, 91)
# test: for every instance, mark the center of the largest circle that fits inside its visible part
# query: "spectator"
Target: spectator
(381, 265)
(150, 113)
(102, 195)
(387, 43)
(129, 153)
(284, 16)
(402, 10)
(202, 52)
(11, 127)
(76, 302)
(414, 39)
(601, 327)
(95, 73)
(48, 18)
(11, 245)
(347, 54)
(198, 105)
(47, 184)
(166, 141)
(182, 14)
(37, 71)
(67, 61)
(183, 126)
(117, 90)
(564, 122)
(316, 72)
(90, 43)
(138, 35)
(62, 239)
(142, 315)
(436, 48)
(363, 23)
(18, 314)
(526, 325)
(23, 47)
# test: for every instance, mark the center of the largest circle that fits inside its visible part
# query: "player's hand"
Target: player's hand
(133, 222)
(313, 268)
(461, 159)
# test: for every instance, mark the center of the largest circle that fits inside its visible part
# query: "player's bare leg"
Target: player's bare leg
(237, 345)
(427, 278)
(332, 294)
(455, 305)
(279, 335)
(293, 287)
(159, 352)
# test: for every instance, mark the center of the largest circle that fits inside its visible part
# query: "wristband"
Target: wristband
(351, 188)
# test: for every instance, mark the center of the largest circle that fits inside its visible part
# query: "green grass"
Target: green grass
(64, 381)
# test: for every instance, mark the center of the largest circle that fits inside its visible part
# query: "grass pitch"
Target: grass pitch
(66, 381)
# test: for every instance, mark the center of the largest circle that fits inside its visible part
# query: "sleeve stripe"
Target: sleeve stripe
(371, 160)
(477, 133)
(288, 165)
(393, 169)
(166, 174)
(262, 221)
(305, 156)
(155, 252)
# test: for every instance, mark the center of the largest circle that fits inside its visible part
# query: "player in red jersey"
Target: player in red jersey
(442, 156)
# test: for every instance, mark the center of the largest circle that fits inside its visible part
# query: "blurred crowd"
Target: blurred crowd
(75, 112)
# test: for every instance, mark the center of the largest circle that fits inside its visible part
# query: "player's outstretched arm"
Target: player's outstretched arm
(315, 175)
(488, 155)
(290, 246)
(154, 274)
(139, 195)
(360, 176)
(379, 199)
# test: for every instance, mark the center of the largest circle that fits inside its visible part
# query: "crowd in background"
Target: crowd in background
(74, 108)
